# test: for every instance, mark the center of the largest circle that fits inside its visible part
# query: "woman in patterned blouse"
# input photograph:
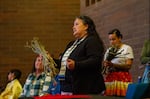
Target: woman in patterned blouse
(38, 82)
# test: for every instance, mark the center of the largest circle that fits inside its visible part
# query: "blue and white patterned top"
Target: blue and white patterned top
(36, 86)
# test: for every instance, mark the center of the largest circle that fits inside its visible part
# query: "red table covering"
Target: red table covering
(62, 96)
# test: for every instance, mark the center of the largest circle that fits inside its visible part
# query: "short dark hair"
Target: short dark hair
(17, 73)
(117, 32)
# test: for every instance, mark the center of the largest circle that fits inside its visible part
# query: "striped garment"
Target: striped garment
(117, 83)
(65, 57)
(36, 86)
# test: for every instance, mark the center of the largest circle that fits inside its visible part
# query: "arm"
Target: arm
(26, 86)
(93, 54)
(122, 63)
(16, 90)
(12, 91)
(145, 55)
(5, 92)
(46, 85)
(127, 65)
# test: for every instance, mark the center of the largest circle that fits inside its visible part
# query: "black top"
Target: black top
(86, 78)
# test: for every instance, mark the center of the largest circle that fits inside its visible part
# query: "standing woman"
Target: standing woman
(81, 62)
(118, 65)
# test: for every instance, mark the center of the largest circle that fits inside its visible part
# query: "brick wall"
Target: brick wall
(21, 20)
(132, 17)
(52, 20)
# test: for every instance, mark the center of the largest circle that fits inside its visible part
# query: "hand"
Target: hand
(107, 63)
(70, 64)
(54, 83)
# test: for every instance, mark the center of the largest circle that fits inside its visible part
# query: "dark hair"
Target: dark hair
(91, 28)
(117, 32)
(16, 72)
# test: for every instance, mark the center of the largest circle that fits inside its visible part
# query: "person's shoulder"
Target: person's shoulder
(70, 43)
(94, 39)
(147, 41)
(126, 45)
(17, 81)
(30, 75)
(91, 37)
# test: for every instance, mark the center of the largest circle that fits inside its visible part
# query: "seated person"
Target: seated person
(37, 82)
(13, 88)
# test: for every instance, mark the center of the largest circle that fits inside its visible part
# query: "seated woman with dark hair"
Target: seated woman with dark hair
(13, 88)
